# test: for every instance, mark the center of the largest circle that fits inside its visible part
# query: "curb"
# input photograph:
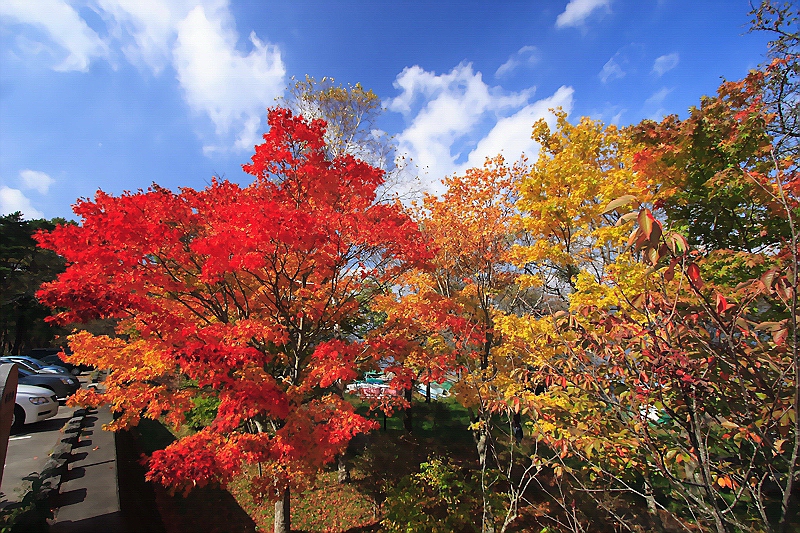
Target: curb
(50, 477)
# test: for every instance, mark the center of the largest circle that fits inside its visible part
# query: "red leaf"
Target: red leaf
(693, 271)
(722, 304)
(779, 336)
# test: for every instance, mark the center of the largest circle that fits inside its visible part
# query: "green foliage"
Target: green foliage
(23, 268)
(203, 413)
(29, 515)
(440, 498)
(704, 161)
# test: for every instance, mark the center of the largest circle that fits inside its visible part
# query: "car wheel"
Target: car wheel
(18, 419)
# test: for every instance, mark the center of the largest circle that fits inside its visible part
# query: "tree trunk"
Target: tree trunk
(342, 471)
(517, 428)
(408, 415)
(21, 331)
(482, 443)
(428, 392)
(652, 509)
(487, 350)
(283, 515)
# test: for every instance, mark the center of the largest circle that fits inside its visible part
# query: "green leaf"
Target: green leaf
(679, 243)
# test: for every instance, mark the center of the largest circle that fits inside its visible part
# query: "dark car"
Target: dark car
(33, 364)
(49, 356)
(64, 385)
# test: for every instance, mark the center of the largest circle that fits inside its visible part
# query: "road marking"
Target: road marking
(20, 438)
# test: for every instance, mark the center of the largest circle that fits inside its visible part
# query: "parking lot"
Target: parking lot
(28, 451)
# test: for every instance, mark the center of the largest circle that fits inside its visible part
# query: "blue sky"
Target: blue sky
(119, 94)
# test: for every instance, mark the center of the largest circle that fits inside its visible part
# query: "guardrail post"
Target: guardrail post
(8, 395)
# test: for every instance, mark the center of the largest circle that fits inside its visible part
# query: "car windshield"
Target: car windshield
(35, 364)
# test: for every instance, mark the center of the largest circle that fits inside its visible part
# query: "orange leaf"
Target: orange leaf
(634, 236)
(779, 336)
(652, 255)
(678, 243)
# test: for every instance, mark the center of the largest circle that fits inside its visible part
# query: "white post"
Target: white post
(8, 395)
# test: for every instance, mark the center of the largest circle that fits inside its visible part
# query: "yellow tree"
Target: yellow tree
(576, 251)
(349, 112)
(671, 372)
(580, 169)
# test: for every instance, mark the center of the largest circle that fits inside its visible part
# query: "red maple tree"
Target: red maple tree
(249, 295)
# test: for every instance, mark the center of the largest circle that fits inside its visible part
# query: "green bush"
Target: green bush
(203, 413)
(440, 498)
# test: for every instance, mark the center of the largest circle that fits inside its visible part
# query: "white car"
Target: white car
(32, 405)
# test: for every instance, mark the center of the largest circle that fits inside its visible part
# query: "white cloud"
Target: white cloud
(232, 88)
(64, 27)
(34, 179)
(611, 71)
(196, 38)
(449, 113)
(511, 136)
(577, 11)
(653, 106)
(453, 105)
(220, 81)
(12, 200)
(145, 31)
(658, 97)
(665, 63)
(525, 56)
(609, 113)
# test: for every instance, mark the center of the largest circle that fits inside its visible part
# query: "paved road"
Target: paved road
(29, 450)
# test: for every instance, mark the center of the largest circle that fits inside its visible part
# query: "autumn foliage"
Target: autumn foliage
(618, 315)
(245, 294)
(671, 370)
(628, 302)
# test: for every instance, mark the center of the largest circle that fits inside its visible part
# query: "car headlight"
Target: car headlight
(37, 400)
(66, 381)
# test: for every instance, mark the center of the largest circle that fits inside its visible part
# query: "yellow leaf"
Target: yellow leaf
(619, 202)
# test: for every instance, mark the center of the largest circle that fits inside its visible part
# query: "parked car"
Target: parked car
(39, 353)
(50, 356)
(63, 385)
(55, 360)
(32, 405)
(38, 366)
